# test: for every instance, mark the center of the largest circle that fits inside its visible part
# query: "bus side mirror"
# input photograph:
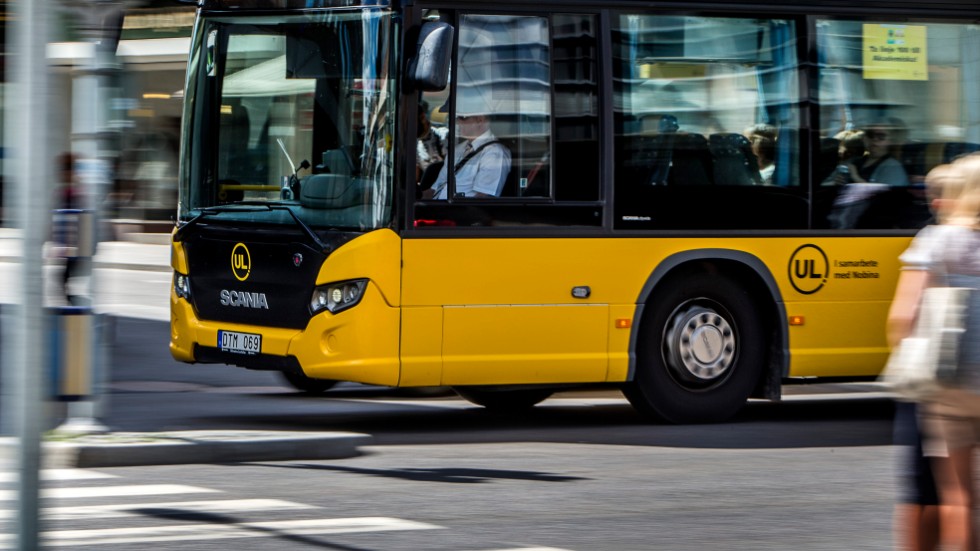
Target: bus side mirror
(429, 69)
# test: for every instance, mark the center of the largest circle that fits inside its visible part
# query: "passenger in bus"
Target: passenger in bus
(431, 150)
(879, 163)
(867, 176)
(482, 163)
(763, 140)
(835, 153)
(851, 145)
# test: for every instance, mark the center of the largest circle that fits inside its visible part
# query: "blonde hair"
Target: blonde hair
(851, 144)
(943, 188)
(965, 210)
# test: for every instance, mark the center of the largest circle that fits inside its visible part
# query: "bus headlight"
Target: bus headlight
(339, 296)
(182, 285)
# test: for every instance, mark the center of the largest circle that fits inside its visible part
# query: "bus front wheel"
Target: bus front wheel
(504, 400)
(306, 384)
(699, 353)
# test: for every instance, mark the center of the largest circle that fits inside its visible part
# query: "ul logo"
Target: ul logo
(241, 262)
(808, 267)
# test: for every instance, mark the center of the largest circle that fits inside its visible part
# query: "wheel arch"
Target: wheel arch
(743, 267)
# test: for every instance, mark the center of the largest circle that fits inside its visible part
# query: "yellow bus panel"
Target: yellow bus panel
(504, 344)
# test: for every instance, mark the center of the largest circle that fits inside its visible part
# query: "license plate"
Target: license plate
(239, 343)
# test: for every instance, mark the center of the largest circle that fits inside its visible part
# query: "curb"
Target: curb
(187, 447)
(132, 266)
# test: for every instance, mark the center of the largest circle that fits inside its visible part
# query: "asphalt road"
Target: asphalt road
(580, 472)
(521, 494)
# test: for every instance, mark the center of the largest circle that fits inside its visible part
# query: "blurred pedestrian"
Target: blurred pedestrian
(66, 227)
(949, 255)
(917, 511)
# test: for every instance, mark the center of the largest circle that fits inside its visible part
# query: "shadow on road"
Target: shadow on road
(844, 423)
(206, 518)
(166, 395)
(446, 475)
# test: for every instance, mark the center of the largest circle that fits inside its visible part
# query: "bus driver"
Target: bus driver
(482, 162)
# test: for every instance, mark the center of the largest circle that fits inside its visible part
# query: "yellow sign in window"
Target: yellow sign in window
(895, 52)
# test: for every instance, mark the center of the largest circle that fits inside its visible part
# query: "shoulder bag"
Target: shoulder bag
(926, 361)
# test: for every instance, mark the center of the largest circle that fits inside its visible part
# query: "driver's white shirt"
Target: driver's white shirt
(486, 172)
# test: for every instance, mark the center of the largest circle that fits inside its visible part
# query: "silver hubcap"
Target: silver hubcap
(700, 344)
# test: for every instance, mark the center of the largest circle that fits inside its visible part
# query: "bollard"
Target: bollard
(74, 331)
(72, 335)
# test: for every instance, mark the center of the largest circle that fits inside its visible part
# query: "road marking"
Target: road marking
(230, 506)
(111, 491)
(58, 475)
(143, 535)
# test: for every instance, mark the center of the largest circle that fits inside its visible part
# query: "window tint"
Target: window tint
(706, 123)
(895, 100)
(576, 85)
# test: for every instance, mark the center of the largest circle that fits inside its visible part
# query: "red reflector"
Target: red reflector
(433, 223)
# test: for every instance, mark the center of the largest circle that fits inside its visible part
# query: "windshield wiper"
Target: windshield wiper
(207, 211)
(299, 222)
(258, 205)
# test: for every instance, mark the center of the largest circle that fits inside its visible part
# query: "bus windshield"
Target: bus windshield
(292, 112)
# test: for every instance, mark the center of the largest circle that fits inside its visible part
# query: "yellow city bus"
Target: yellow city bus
(697, 202)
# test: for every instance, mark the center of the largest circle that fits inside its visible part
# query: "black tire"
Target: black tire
(504, 401)
(700, 351)
(306, 384)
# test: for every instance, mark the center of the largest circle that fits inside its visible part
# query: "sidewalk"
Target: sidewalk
(141, 252)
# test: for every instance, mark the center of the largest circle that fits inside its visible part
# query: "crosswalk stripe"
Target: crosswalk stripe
(111, 491)
(58, 475)
(229, 506)
(70, 538)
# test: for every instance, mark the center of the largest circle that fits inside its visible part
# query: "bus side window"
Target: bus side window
(536, 79)
(911, 116)
(686, 89)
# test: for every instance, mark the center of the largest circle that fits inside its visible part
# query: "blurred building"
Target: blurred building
(145, 106)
